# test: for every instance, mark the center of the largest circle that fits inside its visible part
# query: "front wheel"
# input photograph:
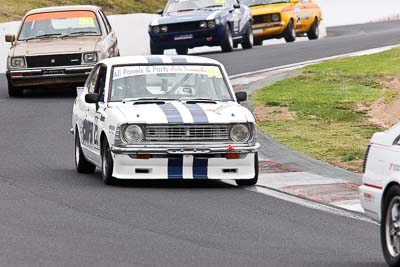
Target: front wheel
(252, 181)
(290, 32)
(390, 227)
(14, 91)
(155, 49)
(182, 51)
(313, 33)
(107, 164)
(81, 163)
(258, 42)
(227, 42)
(248, 39)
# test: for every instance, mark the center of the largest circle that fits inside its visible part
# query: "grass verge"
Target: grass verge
(15, 10)
(327, 124)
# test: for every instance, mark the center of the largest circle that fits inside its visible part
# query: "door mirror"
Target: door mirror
(236, 6)
(160, 11)
(10, 38)
(92, 98)
(241, 96)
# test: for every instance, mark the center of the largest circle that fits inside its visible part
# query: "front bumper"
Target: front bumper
(202, 162)
(49, 76)
(268, 30)
(171, 40)
(371, 199)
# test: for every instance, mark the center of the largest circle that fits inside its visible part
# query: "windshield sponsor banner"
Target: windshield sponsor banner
(87, 16)
(128, 71)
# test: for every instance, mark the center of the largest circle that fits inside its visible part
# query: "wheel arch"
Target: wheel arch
(103, 138)
(387, 188)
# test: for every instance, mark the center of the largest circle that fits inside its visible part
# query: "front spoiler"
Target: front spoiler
(186, 149)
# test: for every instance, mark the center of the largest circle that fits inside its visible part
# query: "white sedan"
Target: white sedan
(164, 117)
(380, 192)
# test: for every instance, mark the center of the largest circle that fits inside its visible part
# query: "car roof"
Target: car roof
(155, 60)
(63, 8)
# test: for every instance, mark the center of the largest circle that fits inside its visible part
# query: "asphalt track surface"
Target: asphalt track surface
(51, 216)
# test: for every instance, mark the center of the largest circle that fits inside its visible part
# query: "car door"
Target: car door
(95, 114)
(86, 120)
(305, 19)
(111, 41)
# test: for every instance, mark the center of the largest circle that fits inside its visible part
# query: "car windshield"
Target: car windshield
(176, 82)
(263, 2)
(190, 5)
(59, 24)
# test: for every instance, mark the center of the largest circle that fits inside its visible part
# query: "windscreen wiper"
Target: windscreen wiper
(145, 99)
(41, 36)
(78, 33)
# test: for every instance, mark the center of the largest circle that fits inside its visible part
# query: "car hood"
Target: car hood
(268, 9)
(178, 112)
(187, 17)
(55, 46)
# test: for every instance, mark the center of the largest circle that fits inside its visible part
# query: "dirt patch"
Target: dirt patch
(263, 113)
(384, 112)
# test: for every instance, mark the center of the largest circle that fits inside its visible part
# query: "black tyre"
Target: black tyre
(14, 91)
(81, 164)
(182, 51)
(313, 33)
(390, 227)
(258, 42)
(248, 39)
(254, 180)
(290, 32)
(107, 164)
(227, 42)
(155, 49)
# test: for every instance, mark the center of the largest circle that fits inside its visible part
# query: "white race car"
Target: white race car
(164, 117)
(380, 192)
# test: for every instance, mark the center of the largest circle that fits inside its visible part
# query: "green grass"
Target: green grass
(15, 10)
(324, 97)
(390, 94)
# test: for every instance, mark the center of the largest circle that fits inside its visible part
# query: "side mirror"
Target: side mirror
(92, 98)
(241, 96)
(236, 6)
(10, 38)
(159, 11)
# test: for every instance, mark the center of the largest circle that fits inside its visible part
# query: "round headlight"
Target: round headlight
(276, 17)
(156, 29)
(203, 24)
(164, 28)
(240, 133)
(133, 134)
(211, 24)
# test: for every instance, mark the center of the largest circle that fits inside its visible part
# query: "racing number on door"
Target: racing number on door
(90, 133)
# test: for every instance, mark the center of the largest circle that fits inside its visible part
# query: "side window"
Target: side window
(105, 20)
(91, 81)
(101, 83)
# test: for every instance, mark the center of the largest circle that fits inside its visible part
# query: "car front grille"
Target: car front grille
(184, 27)
(53, 60)
(187, 133)
(262, 19)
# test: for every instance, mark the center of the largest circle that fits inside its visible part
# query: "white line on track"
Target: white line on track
(310, 204)
(315, 61)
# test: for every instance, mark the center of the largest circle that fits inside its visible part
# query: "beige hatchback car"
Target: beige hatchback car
(58, 46)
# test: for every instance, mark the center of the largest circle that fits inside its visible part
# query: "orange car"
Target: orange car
(284, 18)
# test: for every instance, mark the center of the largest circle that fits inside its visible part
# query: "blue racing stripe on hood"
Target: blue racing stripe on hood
(154, 60)
(198, 114)
(179, 60)
(172, 113)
